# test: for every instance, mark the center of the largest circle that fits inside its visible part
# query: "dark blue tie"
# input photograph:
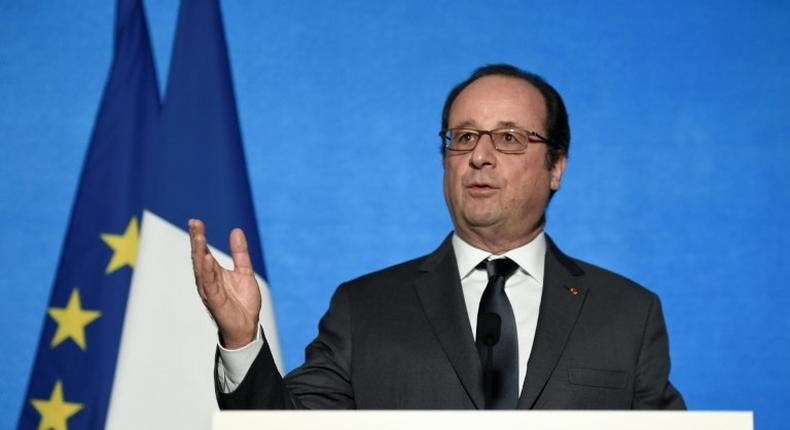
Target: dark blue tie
(497, 341)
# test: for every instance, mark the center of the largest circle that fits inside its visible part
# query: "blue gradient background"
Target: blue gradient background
(677, 178)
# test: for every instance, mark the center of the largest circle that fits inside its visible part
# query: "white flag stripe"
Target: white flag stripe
(164, 371)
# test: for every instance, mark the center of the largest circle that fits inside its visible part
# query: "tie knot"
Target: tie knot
(503, 267)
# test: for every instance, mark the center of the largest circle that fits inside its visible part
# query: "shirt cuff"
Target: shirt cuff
(234, 364)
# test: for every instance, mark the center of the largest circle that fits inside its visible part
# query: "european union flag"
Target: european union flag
(75, 363)
(126, 342)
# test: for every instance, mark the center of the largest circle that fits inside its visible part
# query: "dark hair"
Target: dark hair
(557, 129)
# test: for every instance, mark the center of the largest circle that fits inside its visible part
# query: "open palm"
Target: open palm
(231, 296)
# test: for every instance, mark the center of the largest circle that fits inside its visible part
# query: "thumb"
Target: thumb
(240, 252)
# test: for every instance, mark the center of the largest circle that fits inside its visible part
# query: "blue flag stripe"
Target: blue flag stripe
(200, 169)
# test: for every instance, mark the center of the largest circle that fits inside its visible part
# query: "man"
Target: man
(496, 317)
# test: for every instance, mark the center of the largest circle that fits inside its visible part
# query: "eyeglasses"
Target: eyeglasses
(506, 140)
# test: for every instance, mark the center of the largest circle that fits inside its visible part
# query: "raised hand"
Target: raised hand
(231, 296)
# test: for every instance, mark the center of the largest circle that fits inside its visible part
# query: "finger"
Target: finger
(199, 262)
(197, 236)
(240, 252)
(210, 275)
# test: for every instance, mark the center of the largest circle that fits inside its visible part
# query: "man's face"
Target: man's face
(497, 200)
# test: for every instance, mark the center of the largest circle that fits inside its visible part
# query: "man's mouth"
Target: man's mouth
(481, 188)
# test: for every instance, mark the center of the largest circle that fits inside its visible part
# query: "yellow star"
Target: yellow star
(72, 321)
(54, 412)
(124, 247)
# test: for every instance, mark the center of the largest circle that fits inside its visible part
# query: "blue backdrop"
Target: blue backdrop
(677, 177)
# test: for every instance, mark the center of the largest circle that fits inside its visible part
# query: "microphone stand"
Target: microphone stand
(489, 326)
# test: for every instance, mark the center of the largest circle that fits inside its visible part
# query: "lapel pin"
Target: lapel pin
(574, 291)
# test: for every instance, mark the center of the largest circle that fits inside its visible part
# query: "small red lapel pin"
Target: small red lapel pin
(574, 291)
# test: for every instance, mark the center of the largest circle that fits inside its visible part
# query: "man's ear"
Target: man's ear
(557, 170)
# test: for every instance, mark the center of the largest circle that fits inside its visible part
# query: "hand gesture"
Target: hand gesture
(232, 297)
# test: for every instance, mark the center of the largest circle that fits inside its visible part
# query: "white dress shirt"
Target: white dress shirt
(523, 289)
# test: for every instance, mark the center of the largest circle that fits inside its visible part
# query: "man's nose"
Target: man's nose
(485, 152)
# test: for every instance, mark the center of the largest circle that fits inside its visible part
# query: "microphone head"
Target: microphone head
(489, 326)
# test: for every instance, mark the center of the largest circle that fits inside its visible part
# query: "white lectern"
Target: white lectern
(482, 420)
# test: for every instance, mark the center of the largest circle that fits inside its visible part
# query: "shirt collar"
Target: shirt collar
(530, 257)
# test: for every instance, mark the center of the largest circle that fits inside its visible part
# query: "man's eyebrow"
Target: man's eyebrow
(472, 124)
(508, 124)
(464, 124)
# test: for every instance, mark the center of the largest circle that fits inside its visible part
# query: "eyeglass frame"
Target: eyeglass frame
(490, 133)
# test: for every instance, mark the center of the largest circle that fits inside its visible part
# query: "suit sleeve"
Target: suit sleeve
(652, 388)
(322, 382)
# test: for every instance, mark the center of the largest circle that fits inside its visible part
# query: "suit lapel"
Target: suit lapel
(561, 301)
(439, 289)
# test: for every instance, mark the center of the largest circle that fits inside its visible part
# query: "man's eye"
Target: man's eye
(508, 137)
(466, 137)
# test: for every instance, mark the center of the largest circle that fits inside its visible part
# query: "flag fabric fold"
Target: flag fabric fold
(126, 342)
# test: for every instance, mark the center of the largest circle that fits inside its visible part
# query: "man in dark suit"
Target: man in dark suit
(496, 317)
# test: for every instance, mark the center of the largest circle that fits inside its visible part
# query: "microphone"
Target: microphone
(489, 327)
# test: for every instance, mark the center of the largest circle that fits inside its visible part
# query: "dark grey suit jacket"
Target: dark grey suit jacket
(401, 338)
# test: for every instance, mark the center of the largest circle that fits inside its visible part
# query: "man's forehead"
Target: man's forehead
(500, 101)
